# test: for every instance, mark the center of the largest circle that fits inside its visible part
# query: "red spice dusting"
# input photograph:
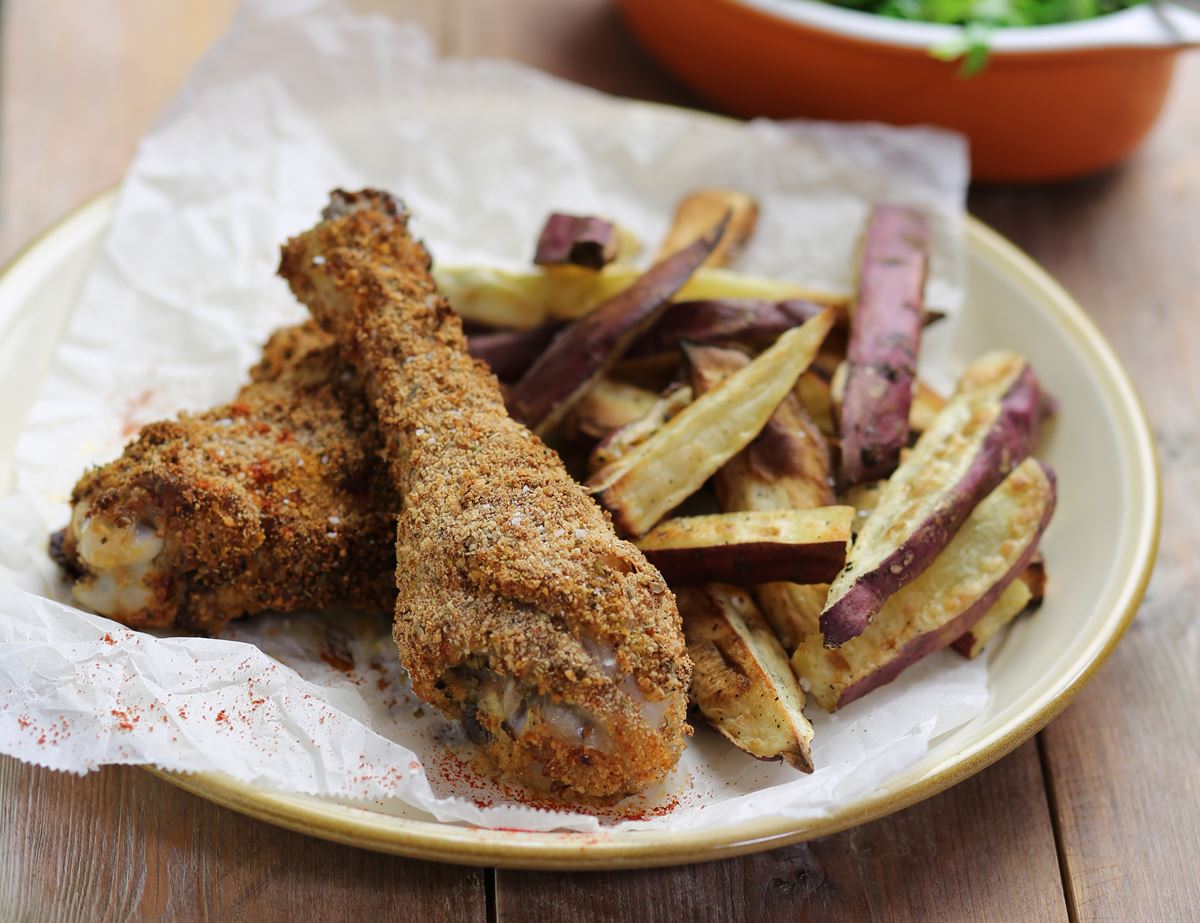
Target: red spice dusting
(381, 683)
(261, 473)
(41, 740)
(123, 720)
(134, 408)
(331, 658)
(23, 722)
(222, 716)
(108, 638)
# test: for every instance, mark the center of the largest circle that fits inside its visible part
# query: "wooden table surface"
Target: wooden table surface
(1096, 819)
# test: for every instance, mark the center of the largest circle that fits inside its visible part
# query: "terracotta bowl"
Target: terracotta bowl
(1053, 101)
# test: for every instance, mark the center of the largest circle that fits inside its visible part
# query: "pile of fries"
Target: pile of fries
(842, 519)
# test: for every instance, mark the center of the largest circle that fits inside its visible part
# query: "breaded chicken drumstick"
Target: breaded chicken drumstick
(274, 501)
(518, 611)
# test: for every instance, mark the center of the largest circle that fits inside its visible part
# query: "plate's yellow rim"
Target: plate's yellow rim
(518, 849)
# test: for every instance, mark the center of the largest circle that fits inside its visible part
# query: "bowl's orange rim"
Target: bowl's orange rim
(1137, 28)
(455, 843)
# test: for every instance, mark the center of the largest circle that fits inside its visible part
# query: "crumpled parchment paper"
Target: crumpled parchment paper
(297, 99)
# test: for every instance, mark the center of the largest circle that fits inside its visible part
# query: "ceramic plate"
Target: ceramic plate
(1100, 550)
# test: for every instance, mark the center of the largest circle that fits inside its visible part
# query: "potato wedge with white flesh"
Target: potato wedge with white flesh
(520, 299)
(787, 466)
(741, 680)
(671, 465)
(989, 552)
(926, 405)
(1023, 595)
(620, 442)
(885, 332)
(700, 210)
(583, 351)
(986, 429)
(609, 405)
(817, 401)
(748, 548)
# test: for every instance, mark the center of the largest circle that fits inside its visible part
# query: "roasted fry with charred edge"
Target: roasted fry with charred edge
(625, 439)
(962, 585)
(587, 348)
(986, 429)
(700, 210)
(741, 680)
(274, 501)
(673, 463)
(786, 467)
(518, 610)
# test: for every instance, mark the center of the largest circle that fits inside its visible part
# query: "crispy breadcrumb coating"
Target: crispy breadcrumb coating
(275, 501)
(518, 609)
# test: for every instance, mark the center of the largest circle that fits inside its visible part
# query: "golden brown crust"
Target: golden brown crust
(273, 501)
(502, 559)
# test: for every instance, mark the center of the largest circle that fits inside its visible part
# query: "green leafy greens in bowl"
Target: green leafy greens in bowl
(979, 18)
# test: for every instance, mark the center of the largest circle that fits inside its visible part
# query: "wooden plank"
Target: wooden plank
(1124, 757)
(981, 851)
(581, 40)
(82, 81)
(120, 844)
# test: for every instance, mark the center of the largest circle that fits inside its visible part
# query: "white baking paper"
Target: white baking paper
(296, 99)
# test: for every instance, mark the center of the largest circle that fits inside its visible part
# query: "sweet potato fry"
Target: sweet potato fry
(520, 299)
(673, 463)
(786, 467)
(885, 330)
(590, 346)
(700, 210)
(989, 551)
(815, 396)
(752, 547)
(740, 676)
(622, 441)
(509, 353)
(749, 321)
(609, 405)
(986, 429)
(926, 405)
(577, 240)
(1023, 595)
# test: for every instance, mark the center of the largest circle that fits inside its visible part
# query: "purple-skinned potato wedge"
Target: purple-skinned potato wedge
(971, 574)
(589, 347)
(577, 240)
(752, 547)
(885, 334)
(987, 428)
(509, 353)
(749, 321)
(1024, 595)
